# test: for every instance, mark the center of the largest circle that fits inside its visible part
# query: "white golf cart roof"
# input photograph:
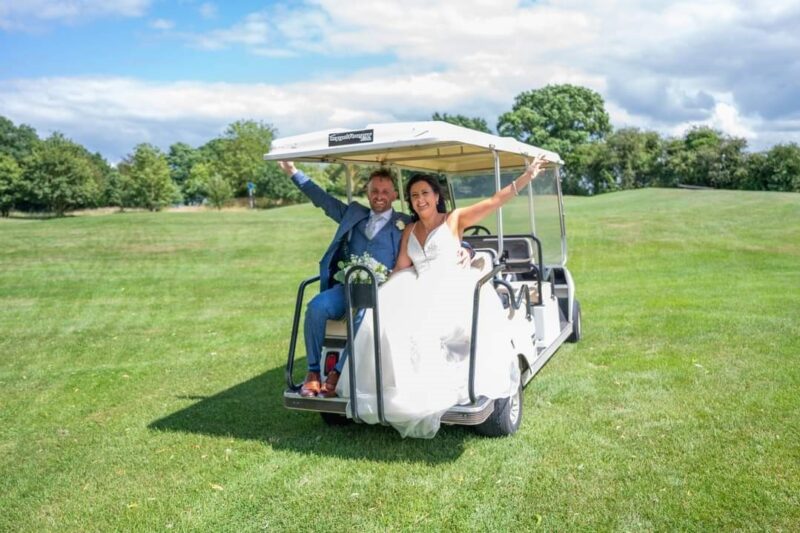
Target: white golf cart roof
(431, 146)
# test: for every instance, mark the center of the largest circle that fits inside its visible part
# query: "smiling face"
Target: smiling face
(381, 193)
(423, 199)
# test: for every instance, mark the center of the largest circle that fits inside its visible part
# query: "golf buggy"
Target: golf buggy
(522, 253)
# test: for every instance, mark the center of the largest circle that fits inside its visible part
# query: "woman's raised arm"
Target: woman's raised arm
(469, 216)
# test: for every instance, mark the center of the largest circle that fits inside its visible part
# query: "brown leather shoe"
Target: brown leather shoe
(328, 389)
(311, 385)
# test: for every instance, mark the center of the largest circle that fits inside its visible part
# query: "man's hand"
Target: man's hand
(288, 167)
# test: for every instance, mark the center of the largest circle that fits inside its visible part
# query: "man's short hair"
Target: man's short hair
(384, 174)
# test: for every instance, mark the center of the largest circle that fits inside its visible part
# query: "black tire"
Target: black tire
(576, 322)
(332, 419)
(506, 417)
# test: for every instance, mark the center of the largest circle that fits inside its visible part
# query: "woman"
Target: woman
(426, 319)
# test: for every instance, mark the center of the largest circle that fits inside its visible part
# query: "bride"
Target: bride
(426, 319)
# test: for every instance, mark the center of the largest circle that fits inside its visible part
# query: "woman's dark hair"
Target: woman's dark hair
(434, 183)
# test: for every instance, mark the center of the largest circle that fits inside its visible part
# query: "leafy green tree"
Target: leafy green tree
(195, 187)
(10, 183)
(238, 155)
(17, 141)
(635, 157)
(61, 176)
(782, 168)
(218, 190)
(475, 123)
(706, 157)
(181, 158)
(145, 179)
(591, 170)
(557, 117)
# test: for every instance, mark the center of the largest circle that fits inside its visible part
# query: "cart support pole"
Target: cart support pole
(298, 306)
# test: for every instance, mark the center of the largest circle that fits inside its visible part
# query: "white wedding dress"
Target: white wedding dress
(425, 321)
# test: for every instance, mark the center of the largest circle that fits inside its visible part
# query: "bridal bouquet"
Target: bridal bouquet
(380, 270)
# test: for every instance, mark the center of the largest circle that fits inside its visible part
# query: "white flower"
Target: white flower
(400, 224)
(377, 268)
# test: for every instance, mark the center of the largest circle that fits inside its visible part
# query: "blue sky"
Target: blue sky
(111, 74)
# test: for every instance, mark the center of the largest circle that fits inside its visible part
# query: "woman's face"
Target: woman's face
(423, 199)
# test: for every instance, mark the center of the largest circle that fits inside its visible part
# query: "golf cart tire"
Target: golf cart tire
(332, 419)
(576, 322)
(506, 417)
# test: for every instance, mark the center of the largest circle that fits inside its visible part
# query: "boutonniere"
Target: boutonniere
(399, 224)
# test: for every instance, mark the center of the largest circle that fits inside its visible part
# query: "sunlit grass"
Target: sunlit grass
(141, 364)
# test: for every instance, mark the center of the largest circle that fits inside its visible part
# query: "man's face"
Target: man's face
(381, 194)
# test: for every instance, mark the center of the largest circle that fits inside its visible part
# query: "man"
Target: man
(375, 230)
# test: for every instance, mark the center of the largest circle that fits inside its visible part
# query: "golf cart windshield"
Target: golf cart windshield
(543, 200)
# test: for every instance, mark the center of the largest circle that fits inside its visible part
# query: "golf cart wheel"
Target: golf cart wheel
(576, 322)
(332, 419)
(505, 419)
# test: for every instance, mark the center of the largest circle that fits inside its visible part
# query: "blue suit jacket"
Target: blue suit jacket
(348, 216)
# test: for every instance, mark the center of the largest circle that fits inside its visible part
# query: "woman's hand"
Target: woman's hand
(536, 166)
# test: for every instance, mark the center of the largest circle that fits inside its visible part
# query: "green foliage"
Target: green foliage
(218, 190)
(782, 168)
(475, 123)
(627, 159)
(10, 183)
(181, 158)
(277, 187)
(62, 176)
(706, 157)
(556, 117)
(238, 155)
(146, 180)
(17, 141)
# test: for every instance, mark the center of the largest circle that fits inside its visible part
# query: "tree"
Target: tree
(10, 183)
(218, 190)
(556, 117)
(238, 155)
(17, 141)
(181, 158)
(61, 176)
(706, 157)
(145, 179)
(782, 168)
(635, 156)
(475, 123)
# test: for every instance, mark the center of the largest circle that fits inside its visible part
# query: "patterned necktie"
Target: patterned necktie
(372, 225)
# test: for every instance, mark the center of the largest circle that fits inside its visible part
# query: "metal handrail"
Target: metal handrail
(295, 326)
(373, 304)
(472, 347)
(524, 293)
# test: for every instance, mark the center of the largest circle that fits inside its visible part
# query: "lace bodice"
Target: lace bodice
(438, 252)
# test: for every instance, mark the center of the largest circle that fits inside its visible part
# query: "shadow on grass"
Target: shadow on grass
(254, 410)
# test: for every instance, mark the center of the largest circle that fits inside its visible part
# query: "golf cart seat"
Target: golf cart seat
(519, 252)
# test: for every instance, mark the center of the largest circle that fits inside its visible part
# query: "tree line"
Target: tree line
(573, 122)
(57, 175)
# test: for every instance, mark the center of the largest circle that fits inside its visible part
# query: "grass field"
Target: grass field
(141, 369)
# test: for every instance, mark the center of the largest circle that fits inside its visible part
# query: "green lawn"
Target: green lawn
(141, 369)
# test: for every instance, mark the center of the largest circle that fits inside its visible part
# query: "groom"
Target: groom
(375, 230)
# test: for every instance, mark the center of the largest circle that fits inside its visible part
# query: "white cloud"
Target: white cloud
(15, 14)
(162, 24)
(664, 65)
(253, 31)
(208, 10)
